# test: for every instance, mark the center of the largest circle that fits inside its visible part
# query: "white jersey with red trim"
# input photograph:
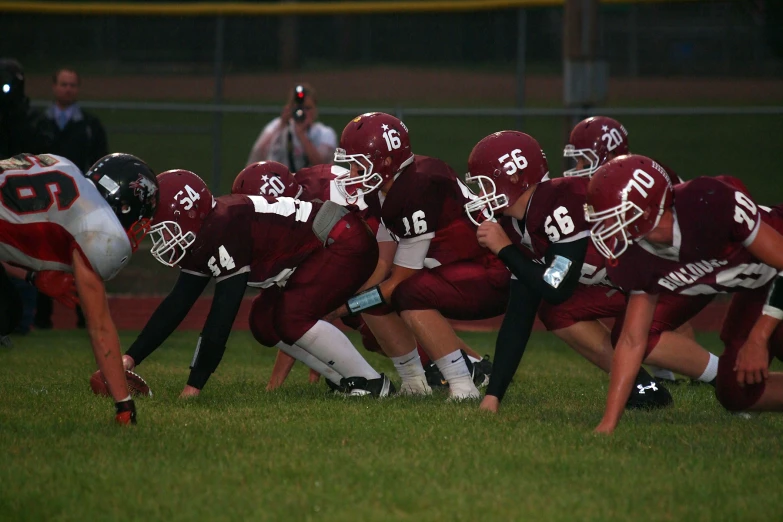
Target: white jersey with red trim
(48, 208)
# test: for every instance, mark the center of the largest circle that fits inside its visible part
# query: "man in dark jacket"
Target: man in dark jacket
(67, 130)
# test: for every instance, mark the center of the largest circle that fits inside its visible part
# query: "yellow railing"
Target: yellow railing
(284, 8)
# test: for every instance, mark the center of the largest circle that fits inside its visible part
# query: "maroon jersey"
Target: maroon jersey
(262, 235)
(427, 200)
(555, 214)
(715, 220)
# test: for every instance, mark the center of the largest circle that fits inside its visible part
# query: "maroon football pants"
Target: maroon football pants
(591, 302)
(463, 290)
(744, 310)
(321, 283)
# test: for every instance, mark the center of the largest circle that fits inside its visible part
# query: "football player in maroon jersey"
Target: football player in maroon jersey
(592, 142)
(269, 178)
(551, 259)
(321, 250)
(430, 264)
(704, 236)
(55, 221)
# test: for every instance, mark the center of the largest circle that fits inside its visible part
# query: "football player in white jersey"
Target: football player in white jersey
(56, 221)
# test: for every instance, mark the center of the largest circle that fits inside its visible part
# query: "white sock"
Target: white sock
(408, 366)
(301, 355)
(711, 371)
(455, 371)
(472, 359)
(332, 347)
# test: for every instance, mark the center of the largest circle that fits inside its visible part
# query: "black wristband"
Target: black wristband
(30, 278)
(366, 300)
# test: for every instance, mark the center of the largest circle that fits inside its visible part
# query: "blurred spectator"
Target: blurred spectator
(17, 135)
(17, 120)
(67, 130)
(296, 139)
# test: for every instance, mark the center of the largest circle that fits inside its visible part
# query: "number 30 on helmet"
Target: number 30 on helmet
(378, 145)
(266, 178)
(625, 199)
(185, 201)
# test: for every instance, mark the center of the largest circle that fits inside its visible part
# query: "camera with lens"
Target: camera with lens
(298, 112)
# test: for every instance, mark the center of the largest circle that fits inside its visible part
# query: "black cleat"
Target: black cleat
(336, 388)
(480, 371)
(648, 394)
(434, 377)
(359, 386)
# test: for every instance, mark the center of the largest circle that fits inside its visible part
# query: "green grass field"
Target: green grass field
(240, 453)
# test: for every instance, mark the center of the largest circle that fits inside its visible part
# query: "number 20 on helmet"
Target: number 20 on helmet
(503, 165)
(185, 201)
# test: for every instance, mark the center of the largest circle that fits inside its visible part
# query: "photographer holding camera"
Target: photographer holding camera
(296, 139)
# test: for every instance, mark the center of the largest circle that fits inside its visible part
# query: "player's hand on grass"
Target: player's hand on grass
(126, 412)
(492, 236)
(128, 363)
(490, 403)
(189, 391)
(752, 364)
(314, 376)
(605, 427)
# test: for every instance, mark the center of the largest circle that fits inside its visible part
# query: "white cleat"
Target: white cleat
(415, 387)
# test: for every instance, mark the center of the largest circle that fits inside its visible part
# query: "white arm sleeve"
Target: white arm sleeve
(412, 251)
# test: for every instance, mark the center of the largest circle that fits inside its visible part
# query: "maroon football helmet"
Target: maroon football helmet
(378, 143)
(625, 199)
(504, 165)
(266, 178)
(593, 140)
(185, 201)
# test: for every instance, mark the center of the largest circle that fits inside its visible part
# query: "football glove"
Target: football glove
(56, 284)
(126, 412)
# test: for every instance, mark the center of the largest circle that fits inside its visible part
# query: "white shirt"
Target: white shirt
(321, 136)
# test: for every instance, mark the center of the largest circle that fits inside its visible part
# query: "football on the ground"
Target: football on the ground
(137, 386)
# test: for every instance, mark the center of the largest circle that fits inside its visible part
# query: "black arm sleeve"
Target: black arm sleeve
(168, 315)
(212, 343)
(532, 274)
(512, 337)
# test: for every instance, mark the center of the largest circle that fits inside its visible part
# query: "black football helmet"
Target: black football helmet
(130, 187)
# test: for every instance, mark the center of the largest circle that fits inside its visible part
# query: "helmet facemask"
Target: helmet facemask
(352, 187)
(482, 206)
(591, 158)
(611, 233)
(137, 232)
(169, 243)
